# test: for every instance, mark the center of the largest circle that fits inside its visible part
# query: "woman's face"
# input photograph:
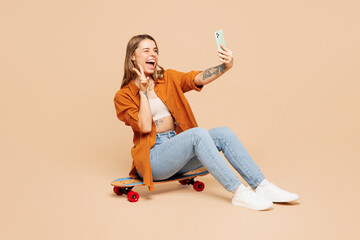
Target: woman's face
(146, 55)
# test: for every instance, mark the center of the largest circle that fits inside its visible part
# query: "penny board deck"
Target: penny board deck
(129, 181)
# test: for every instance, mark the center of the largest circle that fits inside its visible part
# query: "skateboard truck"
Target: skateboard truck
(131, 195)
(198, 186)
(125, 185)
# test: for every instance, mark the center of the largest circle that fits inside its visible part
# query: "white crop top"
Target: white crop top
(158, 108)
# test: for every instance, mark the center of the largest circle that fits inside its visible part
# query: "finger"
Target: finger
(227, 51)
(221, 51)
(224, 56)
(137, 71)
(224, 61)
(223, 47)
(141, 69)
(145, 82)
(230, 54)
(228, 59)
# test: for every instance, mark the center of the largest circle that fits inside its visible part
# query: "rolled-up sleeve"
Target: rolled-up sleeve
(126, 110)
(186, 80)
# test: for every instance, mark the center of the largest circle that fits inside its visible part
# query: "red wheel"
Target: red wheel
(133, 196)
(199, 186)
(183, 182)
(118, 191)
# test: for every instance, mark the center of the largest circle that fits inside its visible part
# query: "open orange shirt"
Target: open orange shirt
(171, 91)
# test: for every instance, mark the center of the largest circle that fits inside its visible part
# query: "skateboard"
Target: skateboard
(125, 185)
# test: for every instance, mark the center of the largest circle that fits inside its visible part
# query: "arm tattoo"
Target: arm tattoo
(213, 71)
(146, 95)
(158, 122)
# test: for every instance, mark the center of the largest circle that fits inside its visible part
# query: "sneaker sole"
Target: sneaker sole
(287, 200)
(246, 205)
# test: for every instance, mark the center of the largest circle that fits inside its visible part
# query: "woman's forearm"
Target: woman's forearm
(210, 75)
(145, 116)
(225, 56)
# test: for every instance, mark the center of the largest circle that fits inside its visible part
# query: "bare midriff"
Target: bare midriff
(163, 124)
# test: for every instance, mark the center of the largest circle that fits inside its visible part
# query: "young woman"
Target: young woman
(167, 139)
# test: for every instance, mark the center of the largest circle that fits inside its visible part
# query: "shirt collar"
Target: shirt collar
(133, 88)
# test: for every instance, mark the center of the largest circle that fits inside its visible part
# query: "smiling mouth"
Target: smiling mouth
(150, 64)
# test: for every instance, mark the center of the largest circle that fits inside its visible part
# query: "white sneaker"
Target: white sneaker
(276, 194)
(249, 199)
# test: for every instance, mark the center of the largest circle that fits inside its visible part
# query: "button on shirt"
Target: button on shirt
(171, 91)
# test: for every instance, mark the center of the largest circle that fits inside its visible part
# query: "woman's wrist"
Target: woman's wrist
(143, 93)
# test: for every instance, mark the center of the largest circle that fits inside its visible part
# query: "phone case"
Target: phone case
(219, 37)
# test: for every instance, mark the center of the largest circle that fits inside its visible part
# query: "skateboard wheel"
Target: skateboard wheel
(183, 182)
(118, 191)
(199, 186)
(133, 196)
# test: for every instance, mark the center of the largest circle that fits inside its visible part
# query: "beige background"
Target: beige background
(293, 95)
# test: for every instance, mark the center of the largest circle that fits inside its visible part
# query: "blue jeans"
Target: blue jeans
(179, 153)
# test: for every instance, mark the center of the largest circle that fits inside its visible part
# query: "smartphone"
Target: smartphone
(219, 37)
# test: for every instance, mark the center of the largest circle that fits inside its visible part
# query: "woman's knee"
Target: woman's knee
(221, 131)
(200, 131)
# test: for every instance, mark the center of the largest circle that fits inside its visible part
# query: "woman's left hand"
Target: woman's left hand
(226, 56)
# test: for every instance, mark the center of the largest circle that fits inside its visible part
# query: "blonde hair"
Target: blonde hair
(129, 73)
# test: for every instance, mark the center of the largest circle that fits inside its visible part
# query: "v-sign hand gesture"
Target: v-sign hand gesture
(144, 81)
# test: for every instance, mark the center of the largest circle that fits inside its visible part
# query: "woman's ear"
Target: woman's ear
(133, 57)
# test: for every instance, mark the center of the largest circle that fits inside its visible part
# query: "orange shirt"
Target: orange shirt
(171, 91)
